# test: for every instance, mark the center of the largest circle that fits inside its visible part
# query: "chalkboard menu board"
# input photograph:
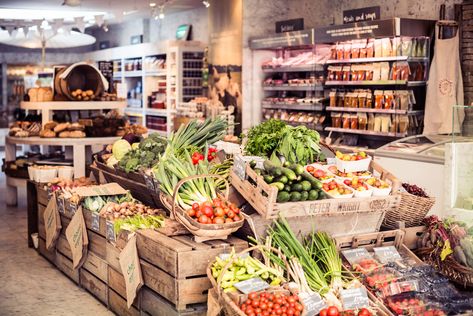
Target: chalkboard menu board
(106, 68)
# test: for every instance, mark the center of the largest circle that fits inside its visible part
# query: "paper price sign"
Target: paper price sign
(355, 255)
(355, 298)
(313, 303)
(387, 254)
(95, 225)
(251, 285)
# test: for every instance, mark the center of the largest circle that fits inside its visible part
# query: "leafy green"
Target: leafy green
(299, 145)
(263, 139)
(146, 155)
(138, 221)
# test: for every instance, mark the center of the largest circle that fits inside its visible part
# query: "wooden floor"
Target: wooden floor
(30, 285)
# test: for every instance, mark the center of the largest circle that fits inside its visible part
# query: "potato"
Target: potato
(74, 94)
(89, 92)
(79, 91)
(79, 97)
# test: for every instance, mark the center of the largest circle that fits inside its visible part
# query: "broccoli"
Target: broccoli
(132, 164)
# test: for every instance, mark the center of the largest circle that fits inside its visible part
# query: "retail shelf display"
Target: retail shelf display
(376, 83)
(295, 107)
(365, 110)
(364, 132)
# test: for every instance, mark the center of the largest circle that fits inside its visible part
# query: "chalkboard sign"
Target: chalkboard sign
(60, 204)
(386, 254)
(95, 222)
(73, 208)
(289, 25)
(355, 255)
(313, 303)
(361, 15)
(149, 182)
(251, 285)
(106, 68)
(239, 164)
(110, 231)
(354, 298)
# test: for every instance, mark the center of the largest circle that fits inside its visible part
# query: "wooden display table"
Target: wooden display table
(80, 148)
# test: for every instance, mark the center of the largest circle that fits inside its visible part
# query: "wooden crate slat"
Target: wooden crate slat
(63, 246)
(88, 222)
(159, 281)
(112, 256)
(65, 265)
(42, 195)
(117, 304)
(153, 304)
(41, 209)
(97, 244)
(96, 266)
(94, 285)
(48, 254)
(42, 231)
(116, 281)
(188, 240)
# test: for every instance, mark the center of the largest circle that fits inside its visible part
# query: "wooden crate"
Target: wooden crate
(116, 281)
(41, 230)
(94, 285)
(112, 254)
(262, 198)
(179, 292)
(102, 227)
(42, 195)
(97, 244)
(117, 304)
(96, 266)
(48, 254)
(65, 265)
(180, 256)
(155, 305)
(62, 246)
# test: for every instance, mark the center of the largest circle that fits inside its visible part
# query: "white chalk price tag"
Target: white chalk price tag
(354, 298)
(355, 255)
(60, 204)
(95, 225)
(387, 254)
(251, 285)
(73, 208)
(226, 256)
(312, 302)
(239, 167)
(110, 232)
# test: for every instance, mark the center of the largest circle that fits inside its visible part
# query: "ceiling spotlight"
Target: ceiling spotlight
(152, 4)
(161, 12)
(72, 3)
(206, 3)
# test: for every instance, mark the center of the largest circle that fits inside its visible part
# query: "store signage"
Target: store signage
(356, 30)
(110, 232)
(95, 222)
(387, 254)
(355, 255)
(313, 303)
(362, 14)
(354, 298)
(106, 68)
(288, 39)
(183, 31)
(290, 25)
(251, 285)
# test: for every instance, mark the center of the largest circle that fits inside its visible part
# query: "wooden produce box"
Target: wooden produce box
(48, 254)
(116, 282)
(155, 305)
(175, 267)
(262, 198)
(117, 304)
(94, 285)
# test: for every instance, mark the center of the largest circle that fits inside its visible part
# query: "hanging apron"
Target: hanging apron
(445, 88)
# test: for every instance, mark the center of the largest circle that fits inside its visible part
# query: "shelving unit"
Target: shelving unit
(376, 83)
(367, 110)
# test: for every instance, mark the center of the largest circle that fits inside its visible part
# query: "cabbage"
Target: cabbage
(120, 148)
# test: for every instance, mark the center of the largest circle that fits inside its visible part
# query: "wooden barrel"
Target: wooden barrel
(83, 77)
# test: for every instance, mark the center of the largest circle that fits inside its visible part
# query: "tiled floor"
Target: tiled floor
(30, 285)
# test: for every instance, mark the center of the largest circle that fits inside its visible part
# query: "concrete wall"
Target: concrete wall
(259, 17)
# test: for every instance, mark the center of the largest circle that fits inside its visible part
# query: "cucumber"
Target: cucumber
(295, 196)
(286, 164)
(291, 175)
(268, 178)
(316, 184)
(282, 179)
(272, 168)
(321, 195)
(313, 195)
(306, 185)
(252, 164)
(298, 169)
(283, 197)
(258, 171)
(278, 185)
(304, 195)
(297, 187)
(287, 188)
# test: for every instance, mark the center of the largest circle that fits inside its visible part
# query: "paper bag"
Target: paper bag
(52, 224)
(130, 265)
(76, 235)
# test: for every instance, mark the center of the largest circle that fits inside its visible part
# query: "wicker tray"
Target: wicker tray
(411, 211)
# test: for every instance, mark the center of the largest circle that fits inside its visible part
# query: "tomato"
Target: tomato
(255, 304)
(198, 213)
(231, 214)
(310, 169)
(291, 311)
(252, 296)
(217, 202)
(228, 220)
(207, 203)
(236, 218)
(195, 206)
(191, 212)
(333, 311)
(364, 312)
(263, 305)
(208, 211)
(218, 220)
(323, 312)
(204, 219)
(218, 211)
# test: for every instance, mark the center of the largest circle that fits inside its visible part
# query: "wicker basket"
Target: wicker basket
(412, 210)
(202, 232)
(449, 267)
(230, 301)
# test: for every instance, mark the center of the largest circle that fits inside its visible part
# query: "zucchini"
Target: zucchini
(278, 185)
(283, 197)
(306, 185)
(321, 195)
(304, 195)
(297, 187)
(268, 178)
(316, 184)
(282, 179)
(295, 196)
(272, 168)
(313, 195)
(287, 188)
(298, 169)
(291, 175)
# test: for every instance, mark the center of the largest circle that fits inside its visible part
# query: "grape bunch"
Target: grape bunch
(414, 190)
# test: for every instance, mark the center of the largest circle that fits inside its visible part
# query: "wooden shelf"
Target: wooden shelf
(73, 105)
(158, 112)
(156, 73)
(375, 59)
(369, 110)
(315, 87)
(56, 141)
(305, 68)
(364, 132)
(295, 107)
(376, 83)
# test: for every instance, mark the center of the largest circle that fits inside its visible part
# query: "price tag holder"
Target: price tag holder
(60, 204)
(354, 298)
(387, 254)
(355, 255)
(73, 208)
(251, 285)
(313, 303)
(239, 164)
(50, 193)
(110, 231)
(95, 225)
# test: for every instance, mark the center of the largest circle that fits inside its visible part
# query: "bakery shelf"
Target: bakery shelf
(73, 105)
(375, 83)
(364, 132)
(295, 106)
(317, 87)
(305, 68)
(369, 110)
(376, 59)
(156, 73)
(57, 141)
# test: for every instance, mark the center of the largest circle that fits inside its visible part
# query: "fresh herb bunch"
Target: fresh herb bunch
(264, 138)
(299, 145)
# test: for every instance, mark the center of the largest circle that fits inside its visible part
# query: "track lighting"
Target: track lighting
(206, 3)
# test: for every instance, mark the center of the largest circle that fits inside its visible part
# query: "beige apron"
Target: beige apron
(445, 88)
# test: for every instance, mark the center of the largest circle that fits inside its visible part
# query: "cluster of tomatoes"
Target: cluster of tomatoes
(216, 211)
(268, 304)
(197, 156)
(333, 311)
(413, 306)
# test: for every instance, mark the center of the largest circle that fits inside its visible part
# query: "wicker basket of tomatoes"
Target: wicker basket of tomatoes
(208, 220)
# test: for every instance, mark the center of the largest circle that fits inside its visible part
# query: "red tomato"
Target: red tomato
(219, 212)
(364, 312)
(195, 206)
(198, 213)
(228, 220)
(236, 218)
(217, 202)
(310, 169)
(255, 304)
(219, 220)
(231, 214)
(204, 219)
(333, 311)
(208, 211)
(252, 296)
(191, 212)
(323, 312)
